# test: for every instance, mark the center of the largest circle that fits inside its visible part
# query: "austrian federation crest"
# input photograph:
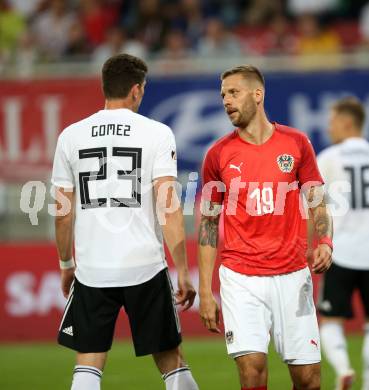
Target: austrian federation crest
(285, 162)
(229, 337)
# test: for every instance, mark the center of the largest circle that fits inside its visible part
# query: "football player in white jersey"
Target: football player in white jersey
(345, 169)
(117, 169)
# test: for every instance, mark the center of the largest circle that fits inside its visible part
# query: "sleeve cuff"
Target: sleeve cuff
(314, 182)
(163, 174)
(62, 184)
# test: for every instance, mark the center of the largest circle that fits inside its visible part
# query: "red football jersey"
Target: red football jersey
(264, 224)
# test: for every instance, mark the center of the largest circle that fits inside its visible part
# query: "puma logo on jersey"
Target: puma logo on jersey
(237, 168)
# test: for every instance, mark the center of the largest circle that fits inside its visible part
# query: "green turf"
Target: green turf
(48, 367)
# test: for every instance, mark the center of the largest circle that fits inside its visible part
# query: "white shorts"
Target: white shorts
(255, 307)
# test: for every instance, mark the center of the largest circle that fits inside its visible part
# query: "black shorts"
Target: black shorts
(90, 315)
(338, 285)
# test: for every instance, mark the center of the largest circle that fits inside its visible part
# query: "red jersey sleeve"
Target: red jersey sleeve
(308, 170)
(212, 186)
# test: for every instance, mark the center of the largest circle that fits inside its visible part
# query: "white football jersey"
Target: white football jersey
(345, 169)
(111, 159)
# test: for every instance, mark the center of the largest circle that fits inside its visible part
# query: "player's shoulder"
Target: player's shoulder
(149, 121)
(161, 128)
(74, 128)
(217, 146)
(294, 135)
(156, 128)
(329, 152)
(290, 131)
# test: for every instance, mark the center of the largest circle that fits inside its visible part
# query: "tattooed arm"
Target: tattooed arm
(208, 242)
(322, 227)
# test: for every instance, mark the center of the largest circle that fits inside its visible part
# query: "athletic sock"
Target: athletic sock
(366, 357)
(295, 388)
(255, 388)
(335, 347)
(180, 379)
(86, 378)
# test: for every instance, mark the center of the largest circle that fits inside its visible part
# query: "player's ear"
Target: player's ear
(259, 95)
(136, 91)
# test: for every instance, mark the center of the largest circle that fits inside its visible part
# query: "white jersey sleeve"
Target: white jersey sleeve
(326, 162)
(323, 163)
(165, 161)
(62, 175)
(329, 164)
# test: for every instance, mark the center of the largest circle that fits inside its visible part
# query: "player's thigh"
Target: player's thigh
(305, 376)
(336, 289)
(363, 286)
(246, 314)
(153, 316)
(89, 318)
(295, 327)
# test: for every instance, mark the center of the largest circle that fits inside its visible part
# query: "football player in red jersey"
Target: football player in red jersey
(256, 176)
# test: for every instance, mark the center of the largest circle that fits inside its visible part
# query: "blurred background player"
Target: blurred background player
(266, 285)
(347, 160)
(109, 172)
(58, 48)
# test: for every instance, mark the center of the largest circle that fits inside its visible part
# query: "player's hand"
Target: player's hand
(67, 277)
(209, 313)
(322, 258)
(186, 293)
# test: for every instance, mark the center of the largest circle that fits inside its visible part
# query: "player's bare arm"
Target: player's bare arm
(322, 226)
(64, 220)
(208, 233)
(169, 208)
(208, 242)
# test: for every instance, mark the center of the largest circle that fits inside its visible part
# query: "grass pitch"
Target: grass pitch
(49, 367)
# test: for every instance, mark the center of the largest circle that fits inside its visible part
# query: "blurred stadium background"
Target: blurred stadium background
(311, 51)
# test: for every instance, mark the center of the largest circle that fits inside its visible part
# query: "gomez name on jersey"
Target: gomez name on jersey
(111, 129)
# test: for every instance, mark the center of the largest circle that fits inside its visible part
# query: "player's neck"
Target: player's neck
(353, 134)
(350, 134)
(115, 104)
(258, 131)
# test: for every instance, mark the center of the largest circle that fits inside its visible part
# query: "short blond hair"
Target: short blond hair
(249, 72)
(353, 107)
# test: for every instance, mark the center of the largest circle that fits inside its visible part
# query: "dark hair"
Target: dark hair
(120, 73)
(353, 107)
(247, 71)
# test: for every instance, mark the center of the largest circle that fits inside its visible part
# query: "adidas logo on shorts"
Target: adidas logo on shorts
(68, 331)
(325, 305)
